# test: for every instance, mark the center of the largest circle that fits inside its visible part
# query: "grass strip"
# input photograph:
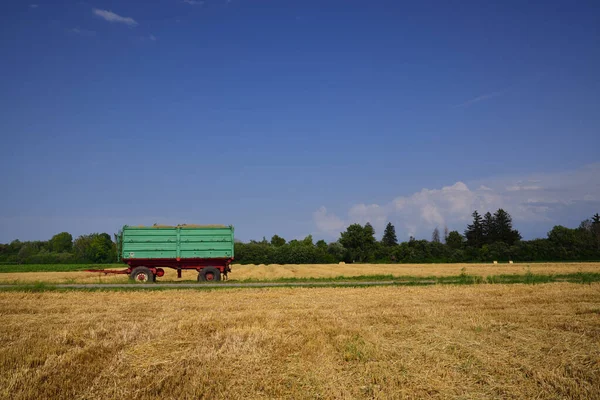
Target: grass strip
(462, 279)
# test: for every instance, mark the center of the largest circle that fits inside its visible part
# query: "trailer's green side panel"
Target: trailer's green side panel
(177, 242)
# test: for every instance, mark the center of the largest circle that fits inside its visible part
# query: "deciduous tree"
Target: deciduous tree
(455, 240)
(277, 241)
(359, 241)
(61, 242)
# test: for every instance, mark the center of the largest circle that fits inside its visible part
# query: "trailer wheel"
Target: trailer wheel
(209, 274)
(142, 275)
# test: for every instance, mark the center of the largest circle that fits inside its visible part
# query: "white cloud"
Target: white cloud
(373, 213)
(152, 37)
(33, 6)
(538, 198)
(431, 214)
(328, 223)
(529, 185)
(82, 32)
(112, 17)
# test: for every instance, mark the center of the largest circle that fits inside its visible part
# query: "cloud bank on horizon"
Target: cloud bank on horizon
(534, 199)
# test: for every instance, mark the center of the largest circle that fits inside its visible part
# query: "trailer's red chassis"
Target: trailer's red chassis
(147, 270)
(110, 271)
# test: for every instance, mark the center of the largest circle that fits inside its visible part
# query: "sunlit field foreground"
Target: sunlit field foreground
(274, 272)
(483, 341)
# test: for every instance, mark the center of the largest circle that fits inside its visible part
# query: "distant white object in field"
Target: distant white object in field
(342, 263)
(495, 262)
(510, 262)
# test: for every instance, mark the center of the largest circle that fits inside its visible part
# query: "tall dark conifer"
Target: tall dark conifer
(474, 232)
(389, 236)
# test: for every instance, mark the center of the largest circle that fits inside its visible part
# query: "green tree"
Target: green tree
(389, 236)
(61, 243)
(103, 248)
(435, 236)
(503, 228)
(337, 251)
(562, 235)
(322, 245)
(564, 242)
(255, 252)
(595, 228)
(14, 247)
(370, 230)
(308, 241)
(95, 247)
(359, 241)
(455, 240)
(474, 232)
(586, 225)
(26, 251)
(82, 248)
(277, 241)
(498, 251)
(488, 228)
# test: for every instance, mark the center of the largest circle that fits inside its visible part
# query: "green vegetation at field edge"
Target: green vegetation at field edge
(55, 267)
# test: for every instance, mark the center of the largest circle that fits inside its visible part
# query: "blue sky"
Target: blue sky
(297, 117)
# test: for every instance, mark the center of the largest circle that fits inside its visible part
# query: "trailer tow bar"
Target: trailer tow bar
(109, 271)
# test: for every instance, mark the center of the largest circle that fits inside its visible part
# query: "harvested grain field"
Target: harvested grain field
(265, 272)
(484, 341)
(300, 271)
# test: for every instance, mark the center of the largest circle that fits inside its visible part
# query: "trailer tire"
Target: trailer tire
(142, 275)
(209, 274)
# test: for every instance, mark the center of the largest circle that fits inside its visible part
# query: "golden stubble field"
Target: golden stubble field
(268, 272)
(468, 342)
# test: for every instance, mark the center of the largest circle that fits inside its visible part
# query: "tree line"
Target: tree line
(490, 237)
(61, 249)
(487, 238)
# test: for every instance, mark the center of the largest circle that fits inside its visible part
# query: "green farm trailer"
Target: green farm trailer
(146, 250)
